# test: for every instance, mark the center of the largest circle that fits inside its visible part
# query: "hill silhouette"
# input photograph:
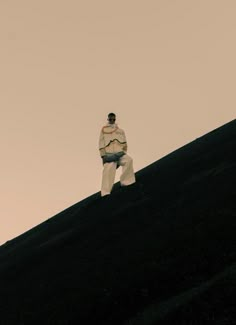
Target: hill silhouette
(162, 251)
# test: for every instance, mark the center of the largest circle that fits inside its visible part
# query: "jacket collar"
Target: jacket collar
(113, 129)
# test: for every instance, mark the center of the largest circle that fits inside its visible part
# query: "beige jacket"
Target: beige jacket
(112, 139)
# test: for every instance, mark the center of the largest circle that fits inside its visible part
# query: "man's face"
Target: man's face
(111, 119)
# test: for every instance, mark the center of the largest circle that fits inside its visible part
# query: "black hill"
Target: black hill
(162, 251)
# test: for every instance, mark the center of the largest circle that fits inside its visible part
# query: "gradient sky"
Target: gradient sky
(166, 67)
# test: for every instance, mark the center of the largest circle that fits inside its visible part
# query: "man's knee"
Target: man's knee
(126, 160)
(129, 159)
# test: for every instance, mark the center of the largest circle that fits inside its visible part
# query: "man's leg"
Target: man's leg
(127, 176)
(108, 178)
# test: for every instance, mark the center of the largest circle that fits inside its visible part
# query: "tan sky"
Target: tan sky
(165, 67)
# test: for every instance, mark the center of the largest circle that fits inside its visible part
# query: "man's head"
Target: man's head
(111, 118)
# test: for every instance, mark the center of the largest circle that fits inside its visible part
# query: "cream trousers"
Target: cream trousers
(109, 172)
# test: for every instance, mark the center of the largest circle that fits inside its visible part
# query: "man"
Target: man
(113, 151)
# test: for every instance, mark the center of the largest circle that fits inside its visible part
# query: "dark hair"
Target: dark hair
(111, 115)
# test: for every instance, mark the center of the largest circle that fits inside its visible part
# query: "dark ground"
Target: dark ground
(160, 252)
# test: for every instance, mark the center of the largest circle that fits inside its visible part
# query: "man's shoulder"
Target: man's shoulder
(104, 127)
(120, 130)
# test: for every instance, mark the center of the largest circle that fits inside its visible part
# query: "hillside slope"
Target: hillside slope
(160, 252)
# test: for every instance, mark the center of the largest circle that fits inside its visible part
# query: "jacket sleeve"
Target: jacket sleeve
(101, 144)
(125, 146)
